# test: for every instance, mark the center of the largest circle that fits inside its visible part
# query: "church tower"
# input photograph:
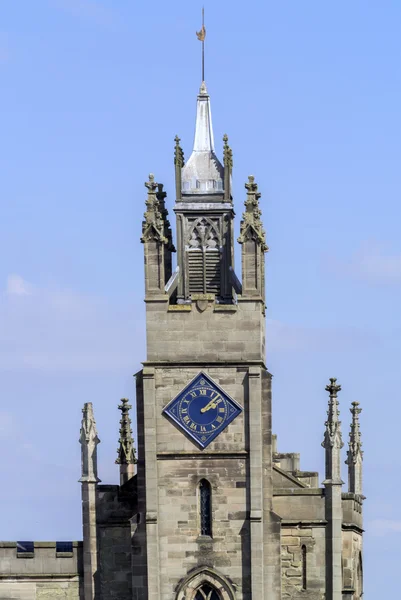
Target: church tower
(206, 507)
(206, 527)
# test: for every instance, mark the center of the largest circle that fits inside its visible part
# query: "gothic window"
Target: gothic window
(205, 504)
(206, 592)
(203, 258)
(303, 553)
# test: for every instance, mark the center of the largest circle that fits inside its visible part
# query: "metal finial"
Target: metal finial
(201, 37)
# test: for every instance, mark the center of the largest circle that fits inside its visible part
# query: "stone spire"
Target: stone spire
(203, 172)
(332, 443)
(126, 450)
(355, 453)
(251, 225)
(89, 441)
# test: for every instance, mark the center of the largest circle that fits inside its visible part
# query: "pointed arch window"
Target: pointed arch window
(207, 592)
(203, 258)
(304, 566)
(205, 507)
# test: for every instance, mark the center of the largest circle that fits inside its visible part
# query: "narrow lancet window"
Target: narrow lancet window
(205, 501)
(303, 553)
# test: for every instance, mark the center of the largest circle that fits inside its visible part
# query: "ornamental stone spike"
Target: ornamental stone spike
(161, 197)
(251, 225)
(355, 453)
(89, 441)
(332, 441)
(228, 168)
(152, 225)
(126, 451)
(332, 434)
(332, 444)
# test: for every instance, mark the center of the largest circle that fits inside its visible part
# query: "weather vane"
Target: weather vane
(201, 37)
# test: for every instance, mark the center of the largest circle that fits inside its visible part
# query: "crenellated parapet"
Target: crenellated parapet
(253, 240)
(126, 450)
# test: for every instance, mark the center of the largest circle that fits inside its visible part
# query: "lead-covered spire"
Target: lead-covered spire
(355, 453)
(203, 172)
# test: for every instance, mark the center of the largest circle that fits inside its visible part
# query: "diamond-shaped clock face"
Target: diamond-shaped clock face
(202, 409)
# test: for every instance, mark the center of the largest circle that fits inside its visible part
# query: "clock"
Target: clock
(202, 409)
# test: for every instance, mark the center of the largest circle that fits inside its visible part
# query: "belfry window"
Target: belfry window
(206, 592)
(205, 506)
(203, 258)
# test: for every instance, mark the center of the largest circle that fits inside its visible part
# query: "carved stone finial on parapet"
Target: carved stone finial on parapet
(333, 424)
(152, 225)
(161, 197)
(355, 453)
(178, 163)
(228, 168)
(332, 441)
(251, 223)
(89, 441)
(126, 451)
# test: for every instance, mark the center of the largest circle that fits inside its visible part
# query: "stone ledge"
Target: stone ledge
(201, 455)
(225, 308)
(298, 492)
(40, 576)
(179, 364)
(179, 308)
(303, 523)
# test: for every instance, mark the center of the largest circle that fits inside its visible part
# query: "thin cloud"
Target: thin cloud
(284, 337)
(372, 263)
(88, 10)
(7, 425)
(49, 329)
(4, 50)
(384, 527)
(17, 286)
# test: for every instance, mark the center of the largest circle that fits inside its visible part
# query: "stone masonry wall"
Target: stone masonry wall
(299, 580)
(181, 546)
(114, 510)
(43, 575)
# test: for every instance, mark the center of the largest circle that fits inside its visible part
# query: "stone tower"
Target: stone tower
(208, 508)
(204, 331)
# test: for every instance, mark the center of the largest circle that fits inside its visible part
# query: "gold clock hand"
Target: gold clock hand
(211, 404)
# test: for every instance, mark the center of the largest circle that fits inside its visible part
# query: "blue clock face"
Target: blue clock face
(202, 409)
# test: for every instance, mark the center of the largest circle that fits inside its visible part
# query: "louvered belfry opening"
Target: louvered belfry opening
(204, 258)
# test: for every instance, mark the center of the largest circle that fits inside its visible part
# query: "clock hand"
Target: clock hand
(211, 404)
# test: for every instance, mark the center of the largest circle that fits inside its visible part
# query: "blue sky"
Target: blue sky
(92, 95)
